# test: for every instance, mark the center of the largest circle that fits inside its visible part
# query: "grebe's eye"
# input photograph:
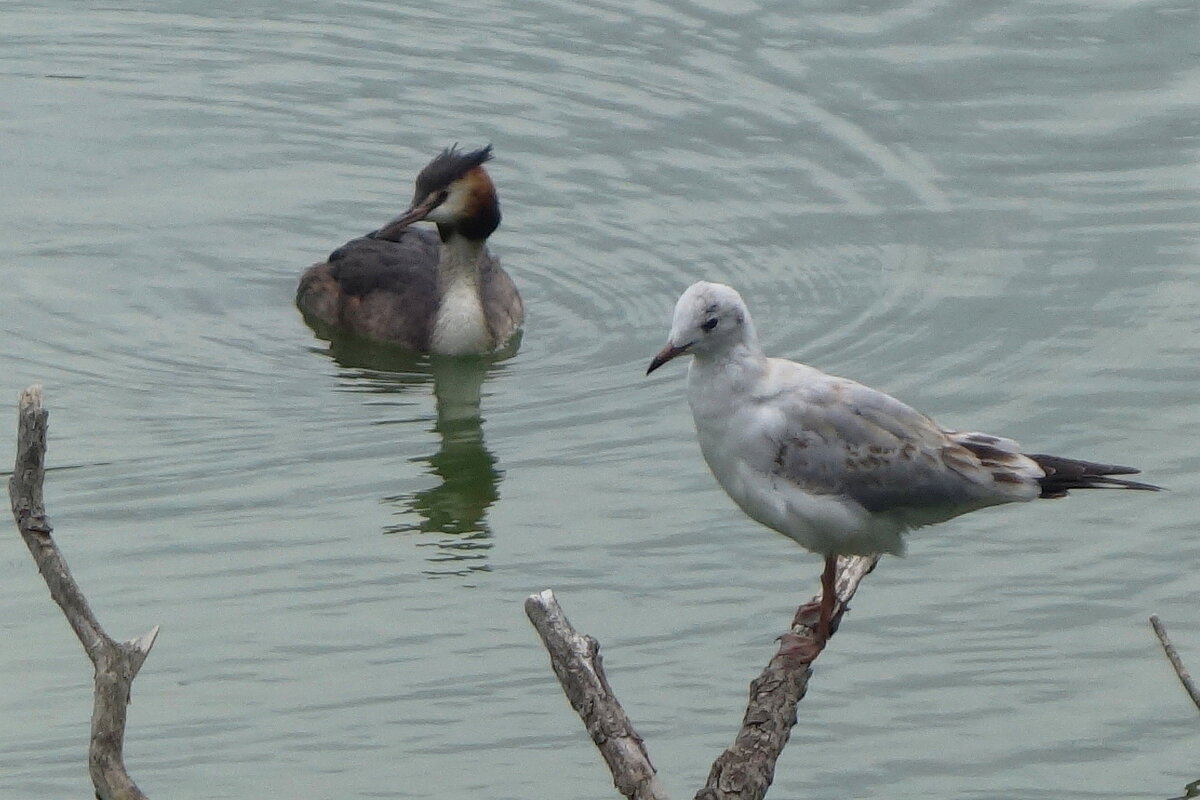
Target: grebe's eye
(709, 324)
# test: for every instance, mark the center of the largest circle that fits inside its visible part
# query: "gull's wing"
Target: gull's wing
(838, 437)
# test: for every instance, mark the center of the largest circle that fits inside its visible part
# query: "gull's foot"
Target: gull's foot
(802, 649)
(808, 615)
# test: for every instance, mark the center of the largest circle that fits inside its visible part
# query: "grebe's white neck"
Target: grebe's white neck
(460, 327)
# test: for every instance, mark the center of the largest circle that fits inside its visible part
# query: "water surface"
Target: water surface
(988, 210)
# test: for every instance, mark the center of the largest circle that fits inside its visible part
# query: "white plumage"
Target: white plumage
(841, 468)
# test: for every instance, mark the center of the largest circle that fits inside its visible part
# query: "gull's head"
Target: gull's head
(455, 191)
(710, 318)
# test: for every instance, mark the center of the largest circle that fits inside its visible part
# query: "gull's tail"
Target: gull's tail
(1063, 474)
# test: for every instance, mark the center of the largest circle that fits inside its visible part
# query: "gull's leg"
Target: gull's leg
(828, 596)
(805, 649)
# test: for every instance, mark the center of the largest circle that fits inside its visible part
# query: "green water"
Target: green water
(988, 210)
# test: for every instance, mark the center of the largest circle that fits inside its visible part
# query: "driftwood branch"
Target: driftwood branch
(116, 664)
(746, 769)
(576, 661)
(1176, 661)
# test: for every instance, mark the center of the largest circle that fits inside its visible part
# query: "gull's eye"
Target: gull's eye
(709, 324)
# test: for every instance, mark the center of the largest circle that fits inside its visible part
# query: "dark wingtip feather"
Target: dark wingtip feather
(1064, 474)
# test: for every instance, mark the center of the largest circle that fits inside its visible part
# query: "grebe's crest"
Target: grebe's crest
(465, 202)
(455, 192)
(448, 166)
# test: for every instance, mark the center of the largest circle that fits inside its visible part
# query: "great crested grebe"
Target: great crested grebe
(440, 293)
(839, 467)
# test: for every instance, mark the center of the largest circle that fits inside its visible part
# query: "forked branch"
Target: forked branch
(116, 664)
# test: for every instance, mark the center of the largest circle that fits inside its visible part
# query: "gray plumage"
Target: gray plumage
(836, 465)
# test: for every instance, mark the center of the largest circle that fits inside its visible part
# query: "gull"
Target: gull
(841, 468)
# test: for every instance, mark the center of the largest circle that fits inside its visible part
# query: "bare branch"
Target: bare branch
(116, 665)
(576, 662)
(1175, 660)
(746, 769)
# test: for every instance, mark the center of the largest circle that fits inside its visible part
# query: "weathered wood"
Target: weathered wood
(115, 664)
(1176, 662)
(743, 771)
(576, 662)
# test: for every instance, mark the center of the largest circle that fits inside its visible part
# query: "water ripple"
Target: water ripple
(987, 209)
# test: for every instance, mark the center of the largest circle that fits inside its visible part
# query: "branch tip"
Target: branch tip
(143, 643)
(32, 397)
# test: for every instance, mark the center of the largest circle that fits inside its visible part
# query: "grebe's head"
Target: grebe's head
(455, 191)
(710, 319)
